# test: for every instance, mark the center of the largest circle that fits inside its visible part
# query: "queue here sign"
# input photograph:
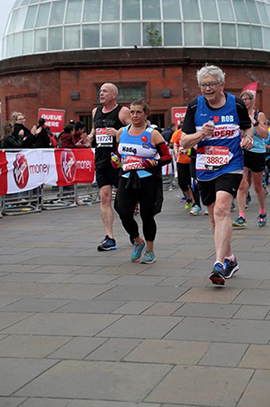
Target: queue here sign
(54, 119)
(178, 113)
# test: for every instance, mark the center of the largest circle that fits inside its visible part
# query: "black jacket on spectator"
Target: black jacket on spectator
(42, 139)
(28, 138)
(12, 141)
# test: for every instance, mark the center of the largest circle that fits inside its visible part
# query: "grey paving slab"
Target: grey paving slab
(178, 387)
(91, 306)
(93, 279)
(141, 293)
(29, 346)
(224, 354)
(62, 324)
(169, 352)
(133, 308)
(134, 326)
(35, 305)
(114, 349)
(11, 318)
(80, 291)
(48, 268)
(15, 373)
(23, 277)
(162, 308)
(139, 280)
(212, 294)
(253, 297)
(221, 330)
(35, 402)
(11, 401)
(258, 391)
(89, 403)
(252, 312)
(207, 310)
(65, 260)
(27, 289)
(6, 301)
(77, 348)
(257, 357)
(81, 380)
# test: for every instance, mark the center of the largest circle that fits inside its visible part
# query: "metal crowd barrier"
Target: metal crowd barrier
(22, 203)
(48, 197)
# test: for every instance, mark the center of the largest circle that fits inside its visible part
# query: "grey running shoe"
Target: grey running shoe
(230, 267)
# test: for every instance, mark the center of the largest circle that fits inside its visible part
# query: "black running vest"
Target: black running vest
(102, 120)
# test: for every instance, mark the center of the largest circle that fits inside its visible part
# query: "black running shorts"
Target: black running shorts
(227, 182)
(107, 176)
(254, 161)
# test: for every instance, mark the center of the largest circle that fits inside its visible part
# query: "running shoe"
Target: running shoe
(195, 210)
(217, 276)
(206, 212)
(262, 220)
(188, 204)
(137, 251)
(148, 257)
(240, 222)
(107, 244)
(233, 206)
(183, 199)
(230, 267)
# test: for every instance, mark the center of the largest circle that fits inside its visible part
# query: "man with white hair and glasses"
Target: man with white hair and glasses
(219, 124)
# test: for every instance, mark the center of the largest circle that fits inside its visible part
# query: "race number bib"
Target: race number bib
(103, 139)
(132, 163)
(215, 157)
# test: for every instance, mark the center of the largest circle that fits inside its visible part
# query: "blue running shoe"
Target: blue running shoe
(262, 220)
(148, 257)
(217, 276)
(137, 251)
(107, 244)
(230, 267)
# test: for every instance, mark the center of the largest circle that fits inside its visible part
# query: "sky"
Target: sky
(5, 6)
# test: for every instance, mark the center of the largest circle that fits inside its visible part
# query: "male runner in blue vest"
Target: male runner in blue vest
(219, 124)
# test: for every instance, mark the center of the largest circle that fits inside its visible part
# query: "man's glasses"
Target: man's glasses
(21, 118)
(210, 85)
(245, 99)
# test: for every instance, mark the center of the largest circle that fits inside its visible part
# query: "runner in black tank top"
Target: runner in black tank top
(107, 119)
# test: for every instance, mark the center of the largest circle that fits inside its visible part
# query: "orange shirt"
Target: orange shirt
(182, 158)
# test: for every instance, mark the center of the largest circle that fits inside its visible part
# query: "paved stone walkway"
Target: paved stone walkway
(79, 328)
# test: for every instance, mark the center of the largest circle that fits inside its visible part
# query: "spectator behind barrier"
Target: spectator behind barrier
(42, 136)
(21, 136)
(67, 139)
(81, 138)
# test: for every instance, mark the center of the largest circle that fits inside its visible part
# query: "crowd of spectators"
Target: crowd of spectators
(17, 135)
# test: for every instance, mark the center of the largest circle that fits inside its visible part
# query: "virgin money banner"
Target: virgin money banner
(74, 166)
(28, 169)
(3, 173)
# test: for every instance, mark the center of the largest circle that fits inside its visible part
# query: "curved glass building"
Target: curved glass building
(42, 26)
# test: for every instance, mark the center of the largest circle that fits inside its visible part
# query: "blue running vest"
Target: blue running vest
(134, 150)
(220, 153)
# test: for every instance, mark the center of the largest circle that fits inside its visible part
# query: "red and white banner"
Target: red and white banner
(54, 119)
(251, 87)
(3, 173)
(28, 169)
(178, 113)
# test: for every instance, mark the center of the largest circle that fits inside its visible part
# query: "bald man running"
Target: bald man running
(107, 119)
